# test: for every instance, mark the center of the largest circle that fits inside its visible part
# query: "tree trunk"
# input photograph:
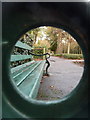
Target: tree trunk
(44, 51)
(24, 37)
(68, 50)
(59, 44)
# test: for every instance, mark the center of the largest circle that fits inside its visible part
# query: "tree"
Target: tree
(54, 39)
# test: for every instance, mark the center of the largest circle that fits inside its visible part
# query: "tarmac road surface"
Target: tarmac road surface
(64, 77)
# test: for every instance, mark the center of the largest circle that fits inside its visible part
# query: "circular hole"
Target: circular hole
(28, 64)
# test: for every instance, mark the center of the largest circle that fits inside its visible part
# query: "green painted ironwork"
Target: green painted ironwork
(19, 57)
(23, 45)
(14, 69)
(28, 75)
(29, 84)
(37, 77)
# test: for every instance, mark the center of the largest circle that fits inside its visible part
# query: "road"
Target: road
(64, 77)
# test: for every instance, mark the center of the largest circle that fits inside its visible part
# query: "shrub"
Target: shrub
(73, 56)
(57, 55)
(70, 56)
(38, 51)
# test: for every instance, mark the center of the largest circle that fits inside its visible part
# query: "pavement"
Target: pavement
(64, 76)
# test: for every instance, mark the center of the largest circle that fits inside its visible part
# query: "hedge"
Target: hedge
(70, 56)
